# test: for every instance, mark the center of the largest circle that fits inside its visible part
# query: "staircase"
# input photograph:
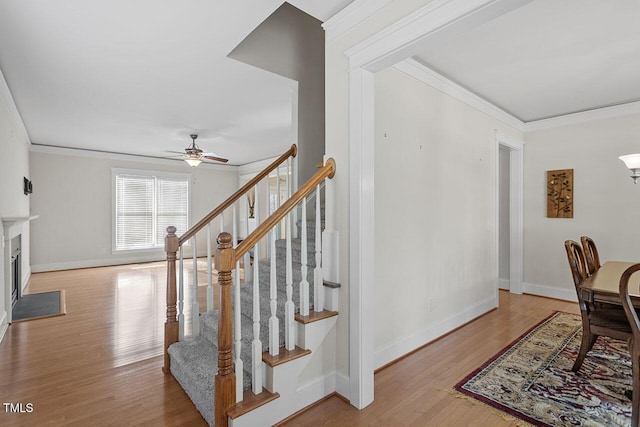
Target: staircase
(271, 378)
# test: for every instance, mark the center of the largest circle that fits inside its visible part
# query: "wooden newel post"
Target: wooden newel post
(171, 246)
(225, 380)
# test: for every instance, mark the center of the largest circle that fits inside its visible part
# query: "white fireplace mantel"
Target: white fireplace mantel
(13, 226)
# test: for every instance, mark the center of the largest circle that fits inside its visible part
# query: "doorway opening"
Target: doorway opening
(509, 208)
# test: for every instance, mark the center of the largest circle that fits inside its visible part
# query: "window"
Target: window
(145, 204)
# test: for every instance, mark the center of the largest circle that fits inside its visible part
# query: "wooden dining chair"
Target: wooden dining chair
(590, 254)
(634, 342)
(596, 321)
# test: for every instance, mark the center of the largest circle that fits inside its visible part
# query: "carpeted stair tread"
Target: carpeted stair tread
(194, 361)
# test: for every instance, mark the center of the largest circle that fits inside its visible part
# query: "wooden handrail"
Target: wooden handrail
(291, 152)
(226, 257)
(327, 171)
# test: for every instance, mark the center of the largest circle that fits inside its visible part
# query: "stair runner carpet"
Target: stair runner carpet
(194, 361)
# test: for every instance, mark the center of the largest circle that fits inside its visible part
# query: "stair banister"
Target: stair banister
(171, 325)
(225, 379)
(226, 256)
(173, 244)
(327, 171)
(291, 152)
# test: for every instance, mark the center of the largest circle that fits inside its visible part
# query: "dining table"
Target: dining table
(603, 285)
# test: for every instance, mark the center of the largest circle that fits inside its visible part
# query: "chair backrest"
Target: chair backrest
(590, 254)
(632, 315)
(576, 262)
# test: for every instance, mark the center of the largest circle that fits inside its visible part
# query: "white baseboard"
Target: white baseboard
(3, 324)
(504, 284)
(395, 350)
(25, 279)
(343, 385)
(550, 292)
(71, 265)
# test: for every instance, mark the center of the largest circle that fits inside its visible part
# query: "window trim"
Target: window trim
(145, 173)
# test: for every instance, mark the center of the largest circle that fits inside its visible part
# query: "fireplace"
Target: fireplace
(16, 275)
(16, 269)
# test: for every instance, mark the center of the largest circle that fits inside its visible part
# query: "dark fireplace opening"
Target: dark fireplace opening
(15, 270)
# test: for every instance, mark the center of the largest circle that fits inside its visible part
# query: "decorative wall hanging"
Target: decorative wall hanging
(560, 193)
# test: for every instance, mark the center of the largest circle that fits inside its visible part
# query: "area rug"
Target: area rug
(531, 380)
(38, 306)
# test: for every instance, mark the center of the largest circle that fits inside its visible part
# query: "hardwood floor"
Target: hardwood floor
(100, 364)
(416, 391)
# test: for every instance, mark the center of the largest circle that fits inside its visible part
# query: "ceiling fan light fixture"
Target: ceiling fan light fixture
(193, 162)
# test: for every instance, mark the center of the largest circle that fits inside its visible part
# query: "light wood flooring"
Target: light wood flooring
(100, 364)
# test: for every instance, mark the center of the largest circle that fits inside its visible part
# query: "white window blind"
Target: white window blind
(145, 205)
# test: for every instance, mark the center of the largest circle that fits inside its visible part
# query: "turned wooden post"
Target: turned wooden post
(171, 325)
(225, 380)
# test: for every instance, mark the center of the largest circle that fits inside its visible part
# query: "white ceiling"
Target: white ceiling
(548, 58)
(138, 77)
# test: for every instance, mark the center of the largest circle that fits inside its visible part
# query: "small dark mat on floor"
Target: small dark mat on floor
(44, 304)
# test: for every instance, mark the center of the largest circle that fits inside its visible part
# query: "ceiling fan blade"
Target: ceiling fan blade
(217, 159)
(176, 152)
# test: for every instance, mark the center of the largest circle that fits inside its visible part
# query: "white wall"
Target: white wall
(72, 194)
(435, 213)
(291, 43)
(606, 202)
(337, 146)
(14, 165)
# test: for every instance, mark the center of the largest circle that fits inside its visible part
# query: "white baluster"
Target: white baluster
(278, 226)
(290, 183)
(237, 318)
(318, 287)
(304, 283)
(181, 298)
(256, 344)
(294, 188)
(195, 306)
(268, 213)
(209, 271)
(289, 308)
(247, 256)
(274, 322)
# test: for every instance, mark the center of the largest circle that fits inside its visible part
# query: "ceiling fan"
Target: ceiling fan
(194, 155)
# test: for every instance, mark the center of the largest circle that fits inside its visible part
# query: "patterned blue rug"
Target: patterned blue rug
(531, 379)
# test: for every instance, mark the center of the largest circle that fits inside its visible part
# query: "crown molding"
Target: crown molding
(402, 39)
(351, 16)
(107, 155)
(5, 93)
(627, 109)
(426, 75)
